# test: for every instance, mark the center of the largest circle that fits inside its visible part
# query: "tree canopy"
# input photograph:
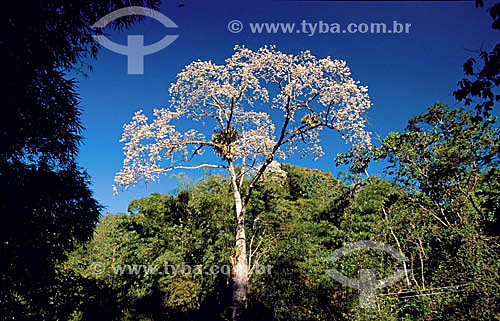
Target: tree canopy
(482, 72)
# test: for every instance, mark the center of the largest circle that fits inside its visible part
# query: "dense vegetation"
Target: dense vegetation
(439, 206)
(47, 205)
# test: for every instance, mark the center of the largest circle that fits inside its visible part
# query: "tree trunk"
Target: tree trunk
(240, 270)
(239, 261)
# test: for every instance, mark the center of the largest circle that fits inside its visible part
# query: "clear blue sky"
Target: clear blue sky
(405, 73)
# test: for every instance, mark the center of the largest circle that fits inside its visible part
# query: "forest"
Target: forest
(254, 236)
(440, 208)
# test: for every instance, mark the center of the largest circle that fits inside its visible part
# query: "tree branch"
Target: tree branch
(269, 157)
(195, 166)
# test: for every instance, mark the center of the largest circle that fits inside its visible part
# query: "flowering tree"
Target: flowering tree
(309, 93)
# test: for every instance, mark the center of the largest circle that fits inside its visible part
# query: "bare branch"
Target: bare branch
(196, 166)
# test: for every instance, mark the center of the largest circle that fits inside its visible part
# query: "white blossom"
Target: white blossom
(274, 172)
(236, 98)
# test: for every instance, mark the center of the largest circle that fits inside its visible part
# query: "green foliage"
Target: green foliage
(446, 162)
(481, 81)
(45, 195)
(439, 211)
(163, 230)
(49, 211)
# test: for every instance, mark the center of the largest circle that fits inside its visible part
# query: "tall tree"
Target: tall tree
(310, 94)
(46, 200)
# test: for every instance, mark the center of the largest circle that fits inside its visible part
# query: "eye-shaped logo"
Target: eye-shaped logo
(135, 49)
(366, 284)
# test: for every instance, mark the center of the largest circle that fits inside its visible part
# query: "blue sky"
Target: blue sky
(405, 73)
